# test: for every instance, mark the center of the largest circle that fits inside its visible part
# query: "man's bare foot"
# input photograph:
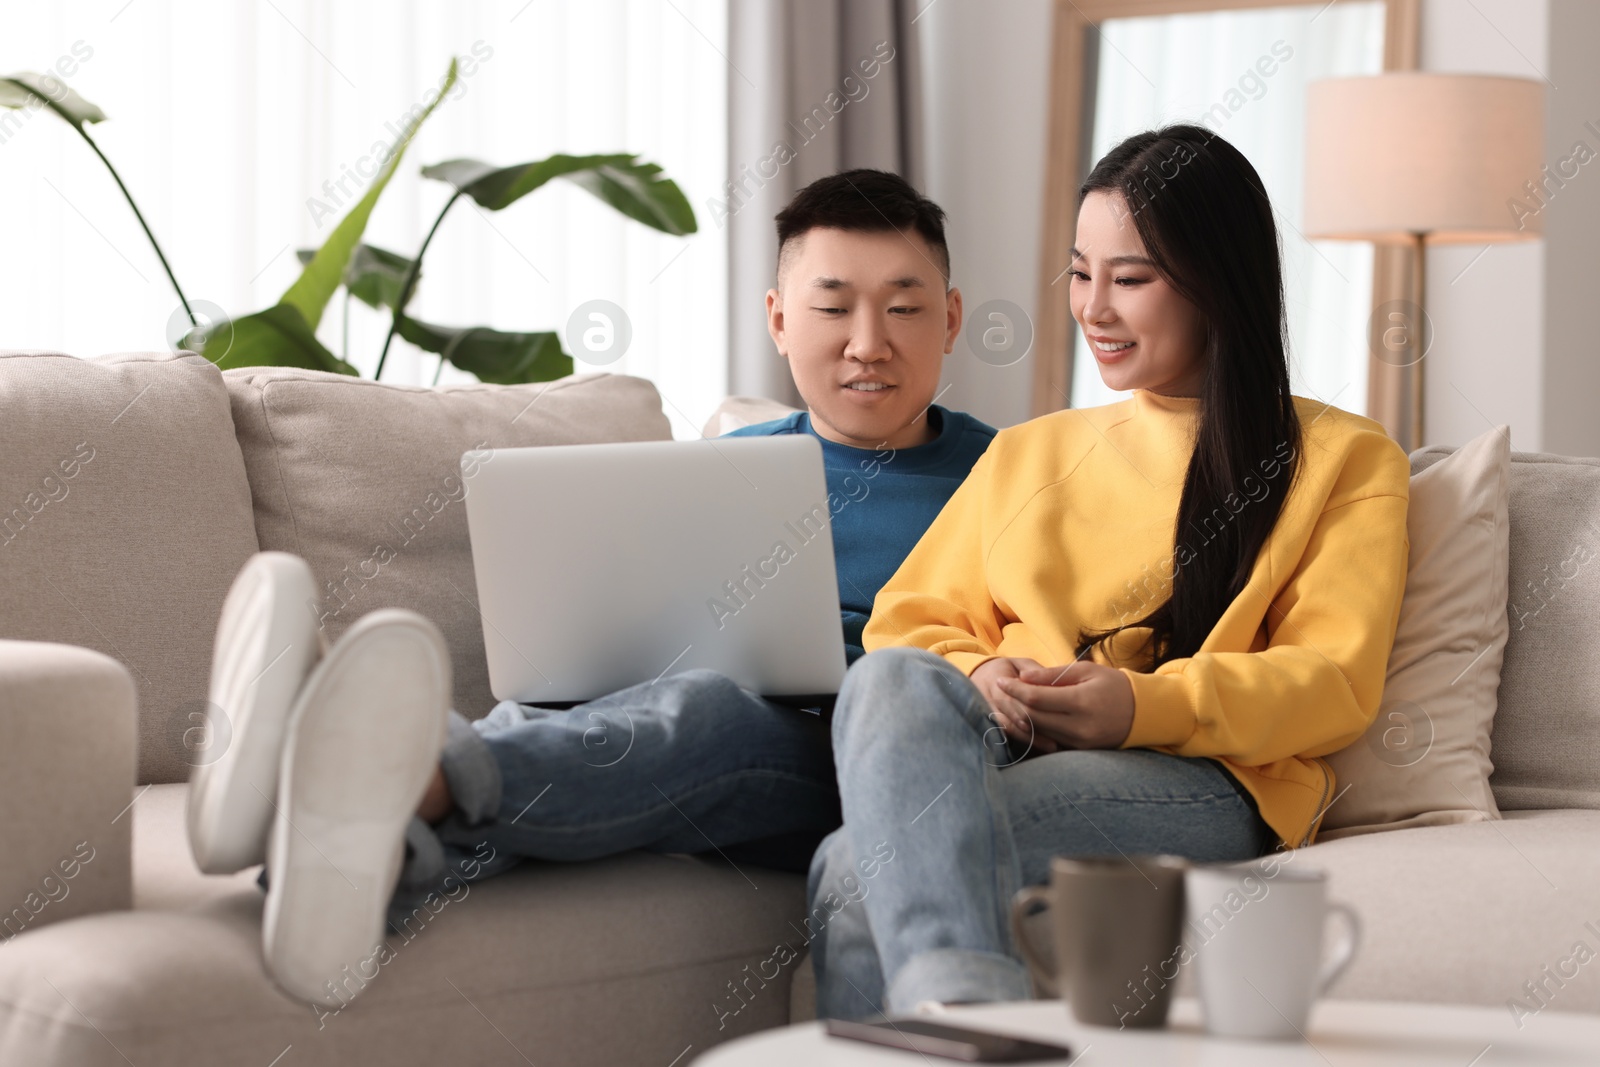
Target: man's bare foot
(437, 801)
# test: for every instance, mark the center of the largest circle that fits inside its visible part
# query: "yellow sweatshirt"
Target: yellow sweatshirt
(1066, 524)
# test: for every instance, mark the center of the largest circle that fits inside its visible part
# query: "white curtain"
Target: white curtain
(1180, 68)
(226, 119)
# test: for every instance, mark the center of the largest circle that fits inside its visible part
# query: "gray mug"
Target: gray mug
(1117, 923)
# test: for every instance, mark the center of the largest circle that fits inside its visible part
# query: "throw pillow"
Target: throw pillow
(737, 412)
(365, 481)
(1425, 759)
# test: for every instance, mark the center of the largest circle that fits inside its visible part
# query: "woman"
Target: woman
(1133, 628)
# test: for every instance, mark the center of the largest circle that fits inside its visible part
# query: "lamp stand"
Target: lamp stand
(1418, 339)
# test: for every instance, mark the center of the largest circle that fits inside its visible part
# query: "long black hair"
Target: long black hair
(1204, 217)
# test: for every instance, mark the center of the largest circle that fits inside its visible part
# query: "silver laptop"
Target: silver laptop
(603, 566)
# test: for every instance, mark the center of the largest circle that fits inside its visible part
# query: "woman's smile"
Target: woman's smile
(1108, 351)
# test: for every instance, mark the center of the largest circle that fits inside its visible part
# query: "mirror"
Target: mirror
(1240, 68)
(1243, 75)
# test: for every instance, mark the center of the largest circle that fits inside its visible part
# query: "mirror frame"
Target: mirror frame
(1394, 394)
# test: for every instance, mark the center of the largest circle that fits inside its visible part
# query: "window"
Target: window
(237, 125)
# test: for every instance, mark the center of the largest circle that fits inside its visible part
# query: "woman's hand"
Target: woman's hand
(1081, 705)
(1013, 716)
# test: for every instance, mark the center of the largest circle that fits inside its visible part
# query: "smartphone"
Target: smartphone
(950, 1042)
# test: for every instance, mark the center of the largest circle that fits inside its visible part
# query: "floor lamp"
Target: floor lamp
(1419, 159)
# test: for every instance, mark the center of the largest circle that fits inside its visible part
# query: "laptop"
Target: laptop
(604, 566)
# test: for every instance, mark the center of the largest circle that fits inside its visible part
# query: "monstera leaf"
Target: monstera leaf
(251, 338)
(373, 275)
(278, 337)
(21, 90)
(17, 89)
(636, 189)
(316, 284)
(493, 355)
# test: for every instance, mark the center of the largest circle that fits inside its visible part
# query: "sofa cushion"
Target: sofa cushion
(737, 412)
(1546, 738)
(1424, 761)
(1470, 913)
(364, 481)
(124, 515)
(626, 960)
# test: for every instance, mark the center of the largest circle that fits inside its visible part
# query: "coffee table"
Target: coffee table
(1343, 1033)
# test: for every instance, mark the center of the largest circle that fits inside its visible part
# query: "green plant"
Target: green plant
(635, 189)
(285, 333)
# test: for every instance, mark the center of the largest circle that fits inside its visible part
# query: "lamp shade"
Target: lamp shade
(1446, 155)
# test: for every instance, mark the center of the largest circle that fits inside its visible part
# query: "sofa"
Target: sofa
(134, 486)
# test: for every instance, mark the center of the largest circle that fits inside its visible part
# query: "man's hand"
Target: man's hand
(1081, 705)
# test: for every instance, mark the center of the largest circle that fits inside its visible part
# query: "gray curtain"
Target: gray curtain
(814, 87)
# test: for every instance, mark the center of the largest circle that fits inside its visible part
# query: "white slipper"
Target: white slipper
(267, 640)
(363, 743)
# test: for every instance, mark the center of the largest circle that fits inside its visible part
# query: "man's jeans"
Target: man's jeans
(928, 780)
(688, 763)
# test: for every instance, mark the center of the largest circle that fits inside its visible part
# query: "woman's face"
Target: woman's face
(1118, 297)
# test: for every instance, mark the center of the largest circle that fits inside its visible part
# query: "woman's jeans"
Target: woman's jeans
(688, 763)
(911, 899)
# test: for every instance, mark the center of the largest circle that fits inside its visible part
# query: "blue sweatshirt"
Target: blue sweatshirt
(883, 500)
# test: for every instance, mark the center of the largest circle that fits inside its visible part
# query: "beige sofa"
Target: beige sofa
(133, 487)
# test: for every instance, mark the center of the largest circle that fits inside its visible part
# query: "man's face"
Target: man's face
(864, 320)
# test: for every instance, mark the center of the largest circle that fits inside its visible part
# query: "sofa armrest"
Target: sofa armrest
(68, 758)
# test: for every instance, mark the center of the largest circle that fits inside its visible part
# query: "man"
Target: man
(343, 757)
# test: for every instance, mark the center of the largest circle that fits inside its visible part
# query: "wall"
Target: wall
(1486, 366)
(1572, 236)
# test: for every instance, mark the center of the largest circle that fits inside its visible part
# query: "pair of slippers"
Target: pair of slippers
(326, 753)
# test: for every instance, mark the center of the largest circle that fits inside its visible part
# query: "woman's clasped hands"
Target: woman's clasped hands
(1047, 709)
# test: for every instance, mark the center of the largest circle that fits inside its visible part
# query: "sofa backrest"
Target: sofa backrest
(364, 481)
(124, 516)
(1546, 740)
(133, 487)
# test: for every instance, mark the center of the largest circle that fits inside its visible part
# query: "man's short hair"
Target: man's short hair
(862, 201)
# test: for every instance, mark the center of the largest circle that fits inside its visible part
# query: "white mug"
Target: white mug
(1253, 932)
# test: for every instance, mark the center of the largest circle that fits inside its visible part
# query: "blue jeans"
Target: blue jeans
(688, 763)
(910, 900)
